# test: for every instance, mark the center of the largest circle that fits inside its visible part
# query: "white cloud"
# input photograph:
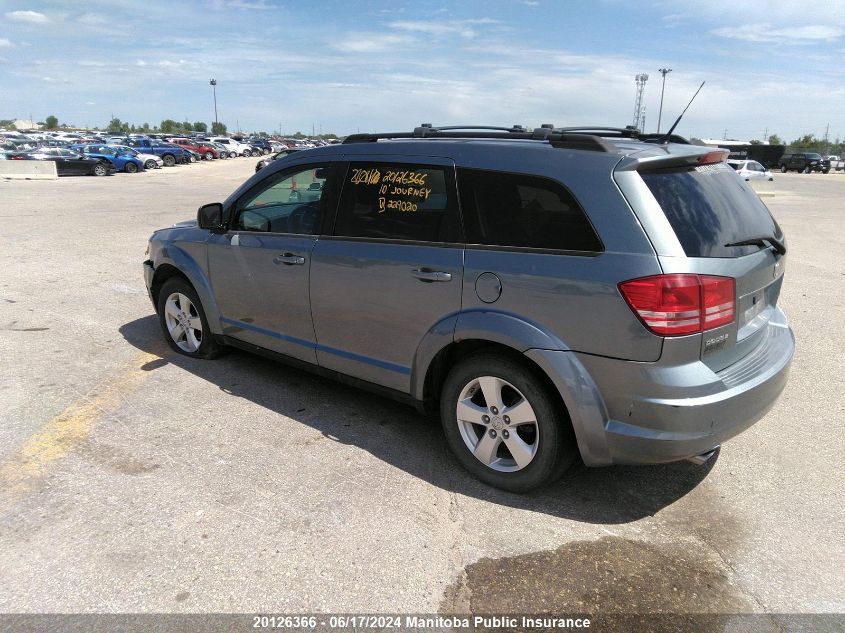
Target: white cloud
(4, 43)
(371, 43)
(463, 28)
(33, 17)
(92, 19)
(770, 34)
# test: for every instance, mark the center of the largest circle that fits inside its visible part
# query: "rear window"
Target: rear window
(709, 207)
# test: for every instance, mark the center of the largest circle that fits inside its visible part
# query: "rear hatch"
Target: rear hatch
(723, 229)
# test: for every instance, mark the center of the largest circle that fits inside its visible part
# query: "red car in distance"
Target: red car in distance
(206, 151)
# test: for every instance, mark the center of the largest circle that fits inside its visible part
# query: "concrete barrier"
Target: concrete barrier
(28, 170)
(764, 188)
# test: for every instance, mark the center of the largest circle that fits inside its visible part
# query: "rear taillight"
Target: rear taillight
(678, 304)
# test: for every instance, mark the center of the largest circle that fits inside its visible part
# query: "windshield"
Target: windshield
(814, 156)
(709, 207)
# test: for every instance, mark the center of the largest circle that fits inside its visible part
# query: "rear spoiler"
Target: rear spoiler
(674, 158)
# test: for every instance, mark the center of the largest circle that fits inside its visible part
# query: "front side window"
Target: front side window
(517, 210)
(398, 201)
(292, 202)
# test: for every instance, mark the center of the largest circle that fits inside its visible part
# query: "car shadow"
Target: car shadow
(414, 443)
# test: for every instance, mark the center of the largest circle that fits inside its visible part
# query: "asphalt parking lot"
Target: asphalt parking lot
(136, 480)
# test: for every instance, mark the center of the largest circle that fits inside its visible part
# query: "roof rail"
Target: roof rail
(572, 138)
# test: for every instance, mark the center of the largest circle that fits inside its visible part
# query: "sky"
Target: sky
(335, 66)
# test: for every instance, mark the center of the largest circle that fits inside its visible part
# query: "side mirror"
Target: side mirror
(210, 216)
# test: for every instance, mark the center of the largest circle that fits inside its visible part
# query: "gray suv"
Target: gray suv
(552, 293)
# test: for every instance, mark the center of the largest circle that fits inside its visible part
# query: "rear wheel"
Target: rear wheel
(100, 169)
(783, 169)
(266, 151)
(233, 154)
(247, 153)
(130, 168)
(183, 320)
(169, 160)
(503, 425)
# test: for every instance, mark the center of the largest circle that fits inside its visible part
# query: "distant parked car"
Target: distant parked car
(122, 161)
(170, 154)
(151, 161)
(269, 159)
(750, 170)
(263, 145)
(803, 161)
(204, 150)
(236, 148)
(68, 162)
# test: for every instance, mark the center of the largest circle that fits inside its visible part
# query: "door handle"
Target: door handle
(289, 259)
(423, 274)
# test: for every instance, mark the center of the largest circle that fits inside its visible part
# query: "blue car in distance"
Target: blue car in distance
(121, 159)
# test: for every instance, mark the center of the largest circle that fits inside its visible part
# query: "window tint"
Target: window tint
(501, 209)
(708, 207)
(399, 202)
(289, 203)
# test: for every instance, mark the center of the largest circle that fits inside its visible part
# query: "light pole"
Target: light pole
(664, 72)
(213, 84)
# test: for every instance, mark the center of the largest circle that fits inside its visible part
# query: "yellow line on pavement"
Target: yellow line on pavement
(68, 429)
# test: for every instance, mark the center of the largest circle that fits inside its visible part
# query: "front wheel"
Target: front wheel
(150, 164)
(503, 424)
(807, 170)
(100, 169)
(825, 171)
(247, 153)
(265, 151)
(208, 156)
(183, 320)
(130, 168)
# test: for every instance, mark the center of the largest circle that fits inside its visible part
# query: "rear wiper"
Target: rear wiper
(779, 246)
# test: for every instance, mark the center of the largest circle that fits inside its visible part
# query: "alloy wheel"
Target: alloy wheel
(183, 322)
(498, 424)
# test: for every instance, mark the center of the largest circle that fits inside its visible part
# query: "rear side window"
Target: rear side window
(503, 209)
(708, 207)
(399, 202)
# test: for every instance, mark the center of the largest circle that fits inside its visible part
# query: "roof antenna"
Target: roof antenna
(665, 138)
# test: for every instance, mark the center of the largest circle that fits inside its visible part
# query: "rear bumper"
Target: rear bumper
(655, 412)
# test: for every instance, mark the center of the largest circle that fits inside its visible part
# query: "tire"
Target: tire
(265, 151)
(825, 171)
(130, 168)
(208, 156)
(180, 311)
(193, 158)
(100, 169)
(247, 153)
(233, 154)
(806, 170)
(783, 169)
(169, 160)
(150, 164)
(545, 441)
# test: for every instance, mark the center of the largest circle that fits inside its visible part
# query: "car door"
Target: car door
(67, 163)
(391, 269)
(259, 269)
